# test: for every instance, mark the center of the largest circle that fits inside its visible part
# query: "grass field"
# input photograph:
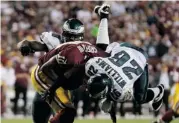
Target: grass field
(86, 121)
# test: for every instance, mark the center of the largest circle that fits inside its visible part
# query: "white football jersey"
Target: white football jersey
(50, 39)
(124, 67)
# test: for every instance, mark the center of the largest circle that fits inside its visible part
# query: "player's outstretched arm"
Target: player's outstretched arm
(103, 36)
(48, 69)
(26, 47)
(113, 113)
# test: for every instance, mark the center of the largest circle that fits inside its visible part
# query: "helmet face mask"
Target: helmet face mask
(71, 37)
(73, 30)
(100, 95)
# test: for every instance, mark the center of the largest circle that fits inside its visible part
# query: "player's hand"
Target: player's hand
(48, 96)
(24, 48)
(102, 11)
(106, 105)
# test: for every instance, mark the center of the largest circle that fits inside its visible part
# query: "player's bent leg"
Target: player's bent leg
(143, 94)
(67, 115)
(38, 115)
(157, 95)
(167, 117)
(141, 86)
(62, 104)
(61, 100)
(174, 112)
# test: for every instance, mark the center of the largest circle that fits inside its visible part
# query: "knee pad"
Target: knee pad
(67, 115)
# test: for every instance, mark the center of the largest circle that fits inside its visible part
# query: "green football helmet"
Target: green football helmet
(99, 86)
(73, 30)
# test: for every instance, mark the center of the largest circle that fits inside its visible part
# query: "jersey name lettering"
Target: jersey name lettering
(116, 76)
(87, 48)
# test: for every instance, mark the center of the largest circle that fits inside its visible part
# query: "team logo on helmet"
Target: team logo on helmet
(73, 26)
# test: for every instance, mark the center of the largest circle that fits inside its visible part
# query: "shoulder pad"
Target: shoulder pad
(111, 46)
(56, 35)
(52, 40)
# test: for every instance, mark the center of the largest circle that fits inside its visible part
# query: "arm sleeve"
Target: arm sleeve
(103, 37)
(33, 45)
(38, 46)
(50, 39)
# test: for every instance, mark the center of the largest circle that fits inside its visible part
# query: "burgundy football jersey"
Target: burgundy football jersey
(72, 54)
(76, 52)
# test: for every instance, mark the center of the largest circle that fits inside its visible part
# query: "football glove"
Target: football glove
(106, 105)
(25, 48)
(102, 11)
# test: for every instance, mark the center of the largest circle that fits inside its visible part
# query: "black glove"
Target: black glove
(102, 11)
(26, 50)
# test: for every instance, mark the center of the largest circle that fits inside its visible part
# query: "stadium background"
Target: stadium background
(154, 26)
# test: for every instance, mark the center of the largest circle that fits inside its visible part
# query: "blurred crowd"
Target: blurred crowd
(154, 26)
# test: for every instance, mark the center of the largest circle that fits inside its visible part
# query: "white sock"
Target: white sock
(103, 37)
(155, 90)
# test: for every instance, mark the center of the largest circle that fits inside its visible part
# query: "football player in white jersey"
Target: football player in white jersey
(122, 76)
(73, 30)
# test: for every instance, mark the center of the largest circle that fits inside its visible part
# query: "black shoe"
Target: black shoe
(157, 102)
(155, 122)
(159, 121)
(102, 11)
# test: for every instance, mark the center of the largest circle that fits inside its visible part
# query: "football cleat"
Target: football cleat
(157, 102)
(102, 11)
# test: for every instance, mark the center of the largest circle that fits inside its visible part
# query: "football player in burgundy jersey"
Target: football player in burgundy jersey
(60, 70)
(24, 49)
(65, 66)
(48, 41)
